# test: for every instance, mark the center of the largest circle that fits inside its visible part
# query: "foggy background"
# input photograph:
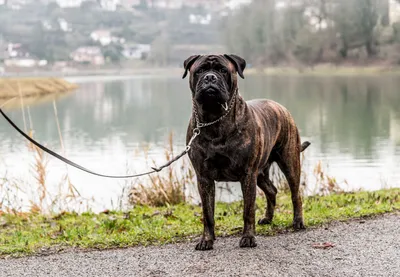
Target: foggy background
(72, 35)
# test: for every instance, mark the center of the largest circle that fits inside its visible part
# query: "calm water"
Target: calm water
(352, 122)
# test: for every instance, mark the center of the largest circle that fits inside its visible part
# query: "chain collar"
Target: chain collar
(199, 125)
(196, 115)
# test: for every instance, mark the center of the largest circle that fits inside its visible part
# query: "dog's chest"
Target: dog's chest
(222, 161)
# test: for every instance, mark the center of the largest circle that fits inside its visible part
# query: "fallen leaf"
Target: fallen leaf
(156, 213)
(324, 245)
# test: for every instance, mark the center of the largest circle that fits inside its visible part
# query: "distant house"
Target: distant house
(235, 4)
(24, 62)
(17, 50)
(129, 4)
(136, 51)
(104, 37)
(177, 4)
(110, 5)
(16, 55)
(69, 3)
(200, 19)
(88, 54)
(64, 26)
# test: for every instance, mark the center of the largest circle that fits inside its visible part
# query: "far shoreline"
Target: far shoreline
(317, 70)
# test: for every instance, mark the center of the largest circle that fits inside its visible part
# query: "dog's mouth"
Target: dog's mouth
(210, 94)
(212, 97)
(211, 90)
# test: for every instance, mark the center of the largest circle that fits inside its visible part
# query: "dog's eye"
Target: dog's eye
(200, 71)
(223, 70)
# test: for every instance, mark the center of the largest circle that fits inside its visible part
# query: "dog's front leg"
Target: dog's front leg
(249, 184)
(207, 195)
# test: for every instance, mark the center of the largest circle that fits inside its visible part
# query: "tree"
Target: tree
(161, 50)
(356, 21)
(142, 5)
(89, 6)
(303, 30)
(112, 53)
(2, 49)
(368, 21)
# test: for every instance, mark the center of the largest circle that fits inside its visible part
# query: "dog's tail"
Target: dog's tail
(304, 145)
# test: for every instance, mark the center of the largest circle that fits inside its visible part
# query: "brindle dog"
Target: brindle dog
(242, 146)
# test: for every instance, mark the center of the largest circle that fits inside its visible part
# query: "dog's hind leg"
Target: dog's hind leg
(289, 163)
(270, 191)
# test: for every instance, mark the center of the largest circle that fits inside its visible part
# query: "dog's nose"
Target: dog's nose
(210, 78)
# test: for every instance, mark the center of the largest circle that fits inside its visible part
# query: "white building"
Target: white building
(200, 19)
(69, 3)
(16, 50)
(64, 26)
(88, 54)
(104, 37)
(136, 51)
(177, 4)
(235, 4)
(24, 62)
(110, 5)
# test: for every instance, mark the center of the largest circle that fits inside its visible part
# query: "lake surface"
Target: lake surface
(352, 122)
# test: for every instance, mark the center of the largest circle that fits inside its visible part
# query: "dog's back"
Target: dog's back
(278, 120)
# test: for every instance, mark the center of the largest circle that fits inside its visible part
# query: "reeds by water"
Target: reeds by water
(11, 87)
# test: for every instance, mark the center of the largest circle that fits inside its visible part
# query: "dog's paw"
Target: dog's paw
(204, 245)
(248, 241)
(264, 221)
(298, 224)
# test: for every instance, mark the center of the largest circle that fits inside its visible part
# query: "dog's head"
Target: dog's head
(213, 78)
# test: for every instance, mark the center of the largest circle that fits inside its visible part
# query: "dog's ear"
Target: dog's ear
(188, 63)
(239, 63)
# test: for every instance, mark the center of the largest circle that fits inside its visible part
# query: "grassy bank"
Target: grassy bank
(22, 234)
(28, 87)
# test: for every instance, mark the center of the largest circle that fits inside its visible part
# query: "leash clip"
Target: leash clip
(196, 132)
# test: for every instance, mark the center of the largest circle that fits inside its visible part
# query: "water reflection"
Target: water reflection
(352, 122)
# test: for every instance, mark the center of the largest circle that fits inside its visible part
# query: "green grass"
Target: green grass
(24, 234)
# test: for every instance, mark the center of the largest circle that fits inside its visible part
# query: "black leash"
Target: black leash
(81, 167)
(196, 132)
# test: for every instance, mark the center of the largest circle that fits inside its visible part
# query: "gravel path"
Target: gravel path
(362, 248)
